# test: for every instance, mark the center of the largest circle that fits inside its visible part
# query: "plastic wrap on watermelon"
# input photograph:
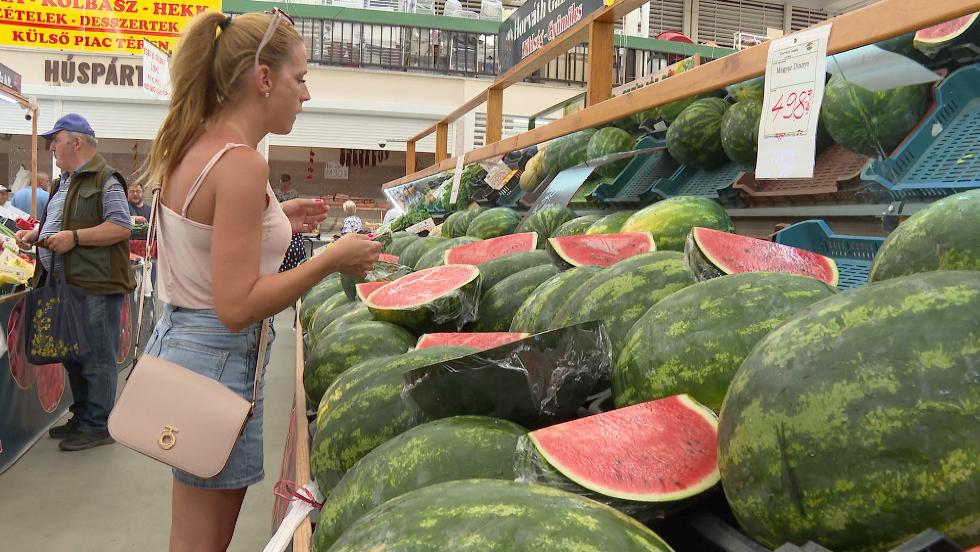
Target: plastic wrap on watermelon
(699, 267)
(383, 272)
(536, 381)
(439, 298)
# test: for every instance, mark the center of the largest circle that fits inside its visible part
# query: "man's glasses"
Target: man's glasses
(278, 16)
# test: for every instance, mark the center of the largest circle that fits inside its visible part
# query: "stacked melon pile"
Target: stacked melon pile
(727, 358)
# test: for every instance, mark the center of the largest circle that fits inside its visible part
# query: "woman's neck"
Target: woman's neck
(238, 128)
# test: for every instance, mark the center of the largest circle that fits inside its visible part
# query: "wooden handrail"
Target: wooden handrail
(880, 21)
(303, 535)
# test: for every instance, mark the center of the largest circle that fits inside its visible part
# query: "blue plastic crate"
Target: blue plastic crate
(642, 172)
(853, 254)
(942, 156)
(689, 181)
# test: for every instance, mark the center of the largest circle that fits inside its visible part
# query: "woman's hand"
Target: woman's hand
(354, 255)
(305, 215)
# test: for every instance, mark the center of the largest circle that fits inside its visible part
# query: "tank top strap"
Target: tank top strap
(204, 174)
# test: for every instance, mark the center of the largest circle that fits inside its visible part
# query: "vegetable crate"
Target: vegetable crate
(853, 254)
(711, 183)
(642, 173)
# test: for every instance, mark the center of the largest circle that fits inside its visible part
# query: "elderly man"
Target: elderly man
(22, 197)
(83, 241)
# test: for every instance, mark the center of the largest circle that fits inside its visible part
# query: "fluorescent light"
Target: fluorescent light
(7, 98)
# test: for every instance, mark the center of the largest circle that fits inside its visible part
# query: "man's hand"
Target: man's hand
(60, 242)
(26, 238)
(139, 220)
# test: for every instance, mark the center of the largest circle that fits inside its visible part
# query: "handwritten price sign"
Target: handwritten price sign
(791, 111)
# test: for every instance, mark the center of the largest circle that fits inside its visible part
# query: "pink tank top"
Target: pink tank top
(184, 247)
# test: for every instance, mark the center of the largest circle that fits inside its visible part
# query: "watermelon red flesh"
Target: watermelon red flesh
(734, 254)
(494, 248)
(656, 451)
(477, 340)
(602, 249)
(944, 32)
(366, 288)
(422, 287)
(388, 258)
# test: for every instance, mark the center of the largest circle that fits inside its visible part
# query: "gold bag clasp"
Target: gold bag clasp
(168, 438)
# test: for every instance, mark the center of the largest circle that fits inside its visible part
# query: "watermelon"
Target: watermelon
(434, 256)
(399, 244)
(365, 288)
(711, 253)
(359, 313)
(455, 224)
(694, 139)
(477, 515)
(327, 319)
(943, 236)
(499, 303)
(871, 123)
(601, 249)
(671, 220)
(313, 299)
(478, 340)
(482, 251)
(651, 114)
(537, 311)
(576, 226)
(657, 451)
(428, 299)
(326, 313)
(352, 345)
(854, 423)
(610, 224)
(933, 40)
(411, 255)
(607, 141)
(492, 272)
(364, 408)
(544, 222)
(750, 90)
(670, 112)
(740, 132)
(462, 447)
(493, 222)
(568, 151)
(693, 341)
(622, 293)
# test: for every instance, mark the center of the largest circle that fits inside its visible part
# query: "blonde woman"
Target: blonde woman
(223, 234)
(352, 222)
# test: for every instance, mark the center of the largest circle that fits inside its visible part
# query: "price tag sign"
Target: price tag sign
(795, 75)
(426, 225)
(457, 176)
(499, 175)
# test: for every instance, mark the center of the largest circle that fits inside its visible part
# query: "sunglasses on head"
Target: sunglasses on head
(278, 16)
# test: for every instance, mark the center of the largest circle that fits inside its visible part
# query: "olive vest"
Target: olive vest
(97, 270)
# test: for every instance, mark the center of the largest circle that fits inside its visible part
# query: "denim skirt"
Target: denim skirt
(197, 340)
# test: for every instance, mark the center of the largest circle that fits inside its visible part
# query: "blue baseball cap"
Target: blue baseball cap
(73, 122)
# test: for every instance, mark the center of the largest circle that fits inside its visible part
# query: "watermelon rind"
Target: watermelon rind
(601, 249)
(324, 314)
(694, 138)
(461, 447)
(499, 303)
(854, 423)
(492, 272)
(416, 249)
(358, 314)
(943, 236)
(538, 310)
(667, 352)
(613, 438)
(477, 515)
(670, 221)
(740, 132)
(493, 222)
(314, 298)
(505, 245)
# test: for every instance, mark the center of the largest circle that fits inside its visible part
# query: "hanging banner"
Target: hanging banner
(156, 70)
(98, 26)
(535, 24)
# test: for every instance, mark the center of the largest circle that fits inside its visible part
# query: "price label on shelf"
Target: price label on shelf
(456, 178)
(426, 225)
(795, 75)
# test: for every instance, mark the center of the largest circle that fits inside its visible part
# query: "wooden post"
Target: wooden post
(410, 157)
(600, 62)
(442, 141)
(304, 533)
(495, 115)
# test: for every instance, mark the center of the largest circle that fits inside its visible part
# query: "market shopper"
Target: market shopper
(352, 222)
(22, 197)
(83, 241)
(223, 234)
(138, 208)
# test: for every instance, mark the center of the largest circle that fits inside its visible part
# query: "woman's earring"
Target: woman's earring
(266, 94)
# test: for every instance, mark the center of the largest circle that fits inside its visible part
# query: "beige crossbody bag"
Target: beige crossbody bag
(175, 415)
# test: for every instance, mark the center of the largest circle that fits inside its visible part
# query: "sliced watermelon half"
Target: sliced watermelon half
(932, 39)
(428, 298)
(601, 249)
(366, 288)
(388, 258)
(477, 340)
(658, 451)
(477, 253)
(710, 253)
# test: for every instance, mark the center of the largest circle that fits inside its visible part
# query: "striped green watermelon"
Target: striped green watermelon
(449, 225)
(644, 116)
(750, 90)
(354, 316)
(871, 123)
(463, 222)
(312, 300)
(493, 222)
(442, 296)
(694, 139)
(324, 320)
(364, 408)
(693, 341)
(546, 221)
(671, 111)
(576, 226)
(610, 224)
(740, 132)
(411, 254)
(621, 294)
(568, 151)
(478, 340)
(855, 423)
(326, 313)
(400, 242)
(537, 311)
(499, 303)
(329, 357)
(435, 255)
(492, 272)
(484, 251)
(943, 236)
(478, 515)
(671, 220)
(461, 447)
(607, 141)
